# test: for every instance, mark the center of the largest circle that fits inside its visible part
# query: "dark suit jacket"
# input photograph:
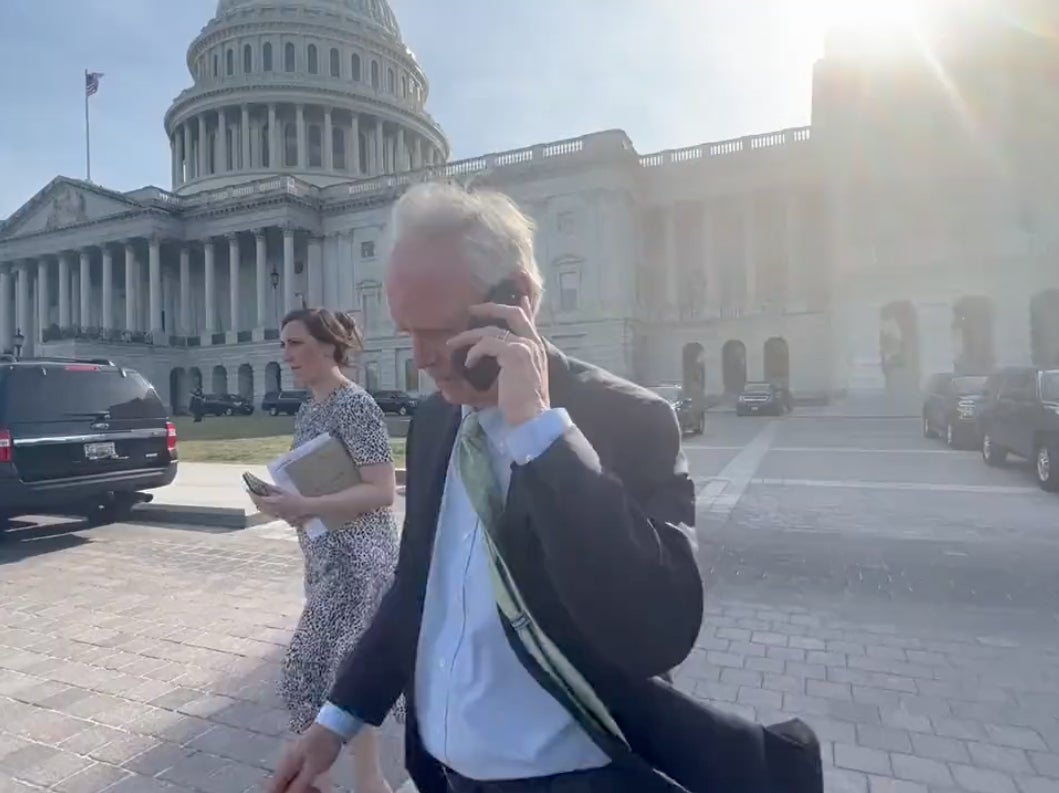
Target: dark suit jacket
(592, 533)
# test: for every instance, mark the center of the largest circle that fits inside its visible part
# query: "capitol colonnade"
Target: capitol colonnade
(161, 291)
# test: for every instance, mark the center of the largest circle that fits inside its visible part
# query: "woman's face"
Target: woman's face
(309, 360)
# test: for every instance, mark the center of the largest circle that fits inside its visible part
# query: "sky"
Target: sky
(503, 74)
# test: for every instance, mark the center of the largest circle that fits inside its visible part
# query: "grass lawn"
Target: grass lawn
(249, 440)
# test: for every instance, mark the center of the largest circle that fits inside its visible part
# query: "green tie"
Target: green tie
(480, 481)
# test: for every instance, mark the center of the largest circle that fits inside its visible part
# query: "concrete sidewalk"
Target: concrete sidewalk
(206, 494)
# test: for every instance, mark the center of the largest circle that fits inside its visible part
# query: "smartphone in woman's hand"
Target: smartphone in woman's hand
(258, 487)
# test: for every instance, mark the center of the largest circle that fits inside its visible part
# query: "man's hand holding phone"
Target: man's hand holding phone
(520, 353)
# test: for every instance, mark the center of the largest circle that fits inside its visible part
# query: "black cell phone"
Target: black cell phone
(484, 373)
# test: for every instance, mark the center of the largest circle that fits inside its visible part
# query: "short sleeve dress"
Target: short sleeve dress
(346, 572)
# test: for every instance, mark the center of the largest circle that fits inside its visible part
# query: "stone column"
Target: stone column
(221, 150)
(210, 286)
(181, 139)
(106, 319)
(299, 124)
(749, 254)
(43, 297)
(354, 134)
(380, 161)
(315, 271)
(185, 291)
(203, 141)
(174, 179)
(712, 261)
(190, 164)
(22, 320)
(417, 154)
(130, 286)
(288, 268)
(85, 290)
(64, 290)
(244, 140)
(273, 139)
(154, 285)
(792, 243)
(233, 281)
(329, 141)
(6, 318)
(261, 282)
(400, 160)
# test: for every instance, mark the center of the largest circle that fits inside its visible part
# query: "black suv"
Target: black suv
(397, 402)
(80, 437)
(950, 408)
(1020, 416)
(759, 398)
(288, 402)
(220, 405)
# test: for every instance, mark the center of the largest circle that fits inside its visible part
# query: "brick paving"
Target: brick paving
(145, 659)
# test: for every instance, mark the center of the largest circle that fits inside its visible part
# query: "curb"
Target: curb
(232, 518)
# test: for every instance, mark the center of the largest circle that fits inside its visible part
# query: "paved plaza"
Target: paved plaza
(900, 597)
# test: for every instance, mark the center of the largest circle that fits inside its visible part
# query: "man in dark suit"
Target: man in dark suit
(596, 504)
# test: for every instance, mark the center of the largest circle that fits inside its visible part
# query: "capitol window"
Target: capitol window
(266, 57)
(216, 65)
(338, 148)
(391, 81)
(229, 62)
(290, 146)
(316, 146)
(248, 59)
(354, 63)
(569, 287)
(367, 250)
(336, 63)
(314, 62)
(288, 57)
(375, 75)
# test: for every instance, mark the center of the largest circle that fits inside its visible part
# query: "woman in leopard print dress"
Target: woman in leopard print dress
(346, 571)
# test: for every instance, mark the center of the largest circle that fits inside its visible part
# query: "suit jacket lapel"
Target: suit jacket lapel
(433, 471)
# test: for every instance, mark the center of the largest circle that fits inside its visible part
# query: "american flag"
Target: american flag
(92, 82)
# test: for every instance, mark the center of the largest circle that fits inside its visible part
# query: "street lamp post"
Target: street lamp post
(19, 341)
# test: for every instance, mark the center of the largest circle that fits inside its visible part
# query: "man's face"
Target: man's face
(430, 288)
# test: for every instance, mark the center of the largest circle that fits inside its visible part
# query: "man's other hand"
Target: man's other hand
(310, 756)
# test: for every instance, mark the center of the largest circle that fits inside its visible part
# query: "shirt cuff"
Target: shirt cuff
(344, 725)
(529, 441)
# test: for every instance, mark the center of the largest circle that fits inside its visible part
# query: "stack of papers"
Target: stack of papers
(320, 467)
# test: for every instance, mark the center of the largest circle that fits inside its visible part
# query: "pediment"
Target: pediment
(63, 203)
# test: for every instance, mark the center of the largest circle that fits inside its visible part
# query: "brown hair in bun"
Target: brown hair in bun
(336, 328)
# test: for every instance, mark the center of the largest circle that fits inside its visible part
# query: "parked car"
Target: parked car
(950, 408)
(1020, 416)
(80, 437)
(286, 402)
(396, 402)
(222, 405)
(763, 398)
(690, 415)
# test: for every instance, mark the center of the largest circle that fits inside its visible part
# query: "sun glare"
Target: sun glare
(872, 14)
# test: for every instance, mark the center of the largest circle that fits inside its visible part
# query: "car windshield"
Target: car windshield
(965, 386)
(1050, 386)
(758, 388)
(52, 393)
(670, 393)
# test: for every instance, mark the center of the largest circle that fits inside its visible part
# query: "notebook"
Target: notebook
(320, 467)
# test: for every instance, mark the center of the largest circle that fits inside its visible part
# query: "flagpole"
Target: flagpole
(88, 134)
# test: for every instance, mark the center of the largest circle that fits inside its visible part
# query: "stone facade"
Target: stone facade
(854, 256)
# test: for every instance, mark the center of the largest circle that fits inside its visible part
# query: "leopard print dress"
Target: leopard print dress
(346, 572)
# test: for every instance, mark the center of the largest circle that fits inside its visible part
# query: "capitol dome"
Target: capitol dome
(324, 90)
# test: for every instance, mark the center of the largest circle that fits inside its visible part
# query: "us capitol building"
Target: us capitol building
(910, 229)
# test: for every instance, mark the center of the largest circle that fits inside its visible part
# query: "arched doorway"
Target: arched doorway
(899, 347)
(220, 380)
(733, 366)
(178, 391)
(972, 335)
(693, 379)
(777, 362)
(272, 377)
(246, 381)
(1044, 328)
(195, 378)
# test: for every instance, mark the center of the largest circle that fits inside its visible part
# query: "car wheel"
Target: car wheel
(928, 432)
(273, 412)
(402, 411)
(1047, 462)
(950, 436)
(229, 412)
(993, 454)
